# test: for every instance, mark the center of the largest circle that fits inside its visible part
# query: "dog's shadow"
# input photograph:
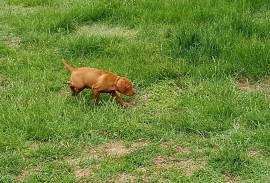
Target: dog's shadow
(85, 98)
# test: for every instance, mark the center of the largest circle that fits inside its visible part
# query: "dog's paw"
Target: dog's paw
(126, 105)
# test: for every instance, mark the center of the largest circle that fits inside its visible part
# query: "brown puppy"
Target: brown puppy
(100, 82)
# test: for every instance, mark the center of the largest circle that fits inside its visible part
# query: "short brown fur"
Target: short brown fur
(100, 82)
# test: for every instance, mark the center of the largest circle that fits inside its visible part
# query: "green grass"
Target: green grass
(186, 60)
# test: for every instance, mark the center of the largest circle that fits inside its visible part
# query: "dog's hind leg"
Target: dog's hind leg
(95, 94)
(73, 90)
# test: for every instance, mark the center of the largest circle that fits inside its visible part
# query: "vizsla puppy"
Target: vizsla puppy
(100, 82)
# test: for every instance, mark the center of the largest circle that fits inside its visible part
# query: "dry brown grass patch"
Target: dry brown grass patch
(5, 82)
(231, 179)
(113, 149)
(138, 145)
(145, 174)
(182, 150)
(140, 100)
(34, 145)
(12, 41)
(116, 149)
(179, 149)
(72, 161)
(82, 173)
(64, 91)
(248, 86)
(187, 166)
(78, 172)
(23, 175)
(141, 170)
(110, 149)
(124, 177)
(253, 153)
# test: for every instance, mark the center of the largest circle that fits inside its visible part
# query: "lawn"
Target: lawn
(201, 69)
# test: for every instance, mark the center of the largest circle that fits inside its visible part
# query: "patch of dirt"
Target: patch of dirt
(5, 82)
(253, 153)
(82, 173)
(34, 145)
(116, 149)
(179, 149)
(145, 175)
(141, 170)
(247, 86)
(23, 175)
(64, 91)
(231, 179)
(93, 153)
(138, 145)
(139, 101)
(187, 166)
(106, 31)
(113, 149)
(124, 177)
(78, 172)
(182, 150)
(163, 162)
(72, 161)
(12, 41)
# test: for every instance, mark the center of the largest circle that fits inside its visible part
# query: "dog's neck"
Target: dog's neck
(117, 79)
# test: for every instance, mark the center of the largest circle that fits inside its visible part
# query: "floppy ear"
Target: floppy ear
(121, 84)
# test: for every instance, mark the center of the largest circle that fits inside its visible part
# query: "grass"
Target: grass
(194, 115)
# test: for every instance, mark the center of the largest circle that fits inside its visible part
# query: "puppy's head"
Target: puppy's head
(125, 87)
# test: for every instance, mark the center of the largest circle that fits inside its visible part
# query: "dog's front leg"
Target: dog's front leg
(118, 99)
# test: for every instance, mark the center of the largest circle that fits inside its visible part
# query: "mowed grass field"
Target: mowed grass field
(201, 70)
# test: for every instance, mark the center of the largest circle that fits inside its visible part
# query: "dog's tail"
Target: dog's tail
(69, 67)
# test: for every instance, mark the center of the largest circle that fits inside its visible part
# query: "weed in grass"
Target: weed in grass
(79, 15)
(88, 47)
(191, 44)
(230, 160)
